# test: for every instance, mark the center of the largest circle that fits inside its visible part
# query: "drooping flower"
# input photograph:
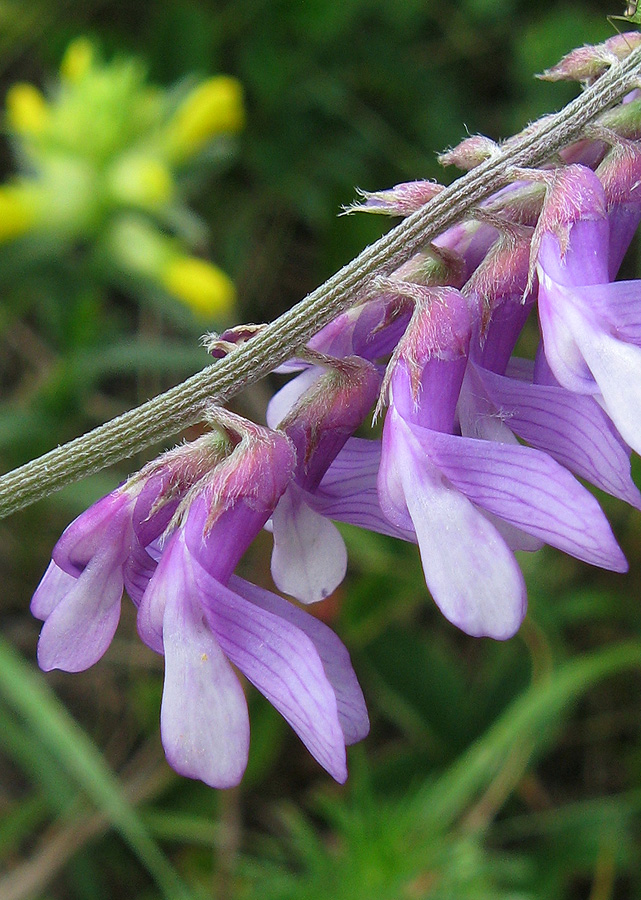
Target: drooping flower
(173, 536)
(461, 481)
(591, 327)
(201, 619)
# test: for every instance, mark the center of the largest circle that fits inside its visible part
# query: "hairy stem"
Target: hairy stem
(169, 413)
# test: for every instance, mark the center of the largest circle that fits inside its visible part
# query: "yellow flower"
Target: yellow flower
(77, 60)
(141, 180)
(213, 107)
(27, 110)
(201, 285)
(17, 210)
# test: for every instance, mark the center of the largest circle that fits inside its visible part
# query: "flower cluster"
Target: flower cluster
(102, 161)
(480, 455)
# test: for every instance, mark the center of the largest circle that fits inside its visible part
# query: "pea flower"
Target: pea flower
(173, 536)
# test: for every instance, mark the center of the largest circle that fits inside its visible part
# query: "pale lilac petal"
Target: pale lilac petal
(572, 428)
(473, 576)
(53, 588)
(283, 663)
(617, 303)
(81, 626)
(309, 559)
(562, 349)
(514, 537)
(352, 712)
(349, 492)
(528, 489)
(616, 367)
(204, 721)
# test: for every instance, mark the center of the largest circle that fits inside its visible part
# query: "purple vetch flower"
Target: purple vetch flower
(457, 477)
(106, 549)
(591, 327)
(173, 535)
(203, 619)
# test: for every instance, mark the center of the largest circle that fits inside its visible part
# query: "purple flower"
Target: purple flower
(591, 327)
(203, 625)
(309, 559)
(457, 476)
(174, 535)
(102, 551)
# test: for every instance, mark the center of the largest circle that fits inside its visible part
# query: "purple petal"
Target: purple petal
(562, 349)
(83, 622)
(106, 522)
(472, 574)
(618, 304)
(309, 559)
(349, 492)
(528, 489)
(352, 712)
(282, 662)
(572, 428)
(53, 588)
(204, 722)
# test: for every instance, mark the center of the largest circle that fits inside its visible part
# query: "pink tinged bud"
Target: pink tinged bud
(574, 219)
(327, 414)
(469, 153)
(587, 63)
(498, 291)
(426, 372)
(219, 345)
(401, 200)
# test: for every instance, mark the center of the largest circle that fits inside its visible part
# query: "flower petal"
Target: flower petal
(309, 560)
(282, 662)
(472, 574)
(572, 428)
(204, 721)
(349, 492)
(81, 626)
(53, 588)
(529, 489)
(352, 712)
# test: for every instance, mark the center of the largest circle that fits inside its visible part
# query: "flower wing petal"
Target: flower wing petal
(352, 712)
(81, 626)
(472, 574)
(572, 428)
(529, 489)
(283, 663)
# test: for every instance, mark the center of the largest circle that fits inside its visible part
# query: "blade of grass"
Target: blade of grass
(29, 694)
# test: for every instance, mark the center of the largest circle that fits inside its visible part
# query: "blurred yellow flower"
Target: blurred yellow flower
(77, 60)
(27, 110)
(213, 107)
(17, 210)
(139, 180)
(203, 286)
